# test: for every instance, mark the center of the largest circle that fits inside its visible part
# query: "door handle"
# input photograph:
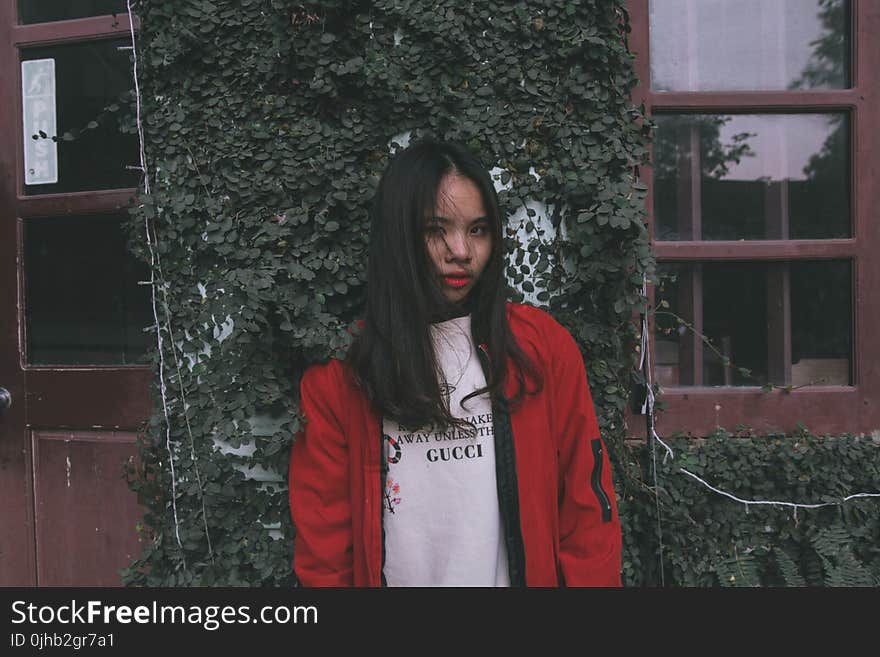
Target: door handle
(5, 399)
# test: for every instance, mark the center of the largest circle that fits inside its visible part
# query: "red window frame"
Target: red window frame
(822, 408)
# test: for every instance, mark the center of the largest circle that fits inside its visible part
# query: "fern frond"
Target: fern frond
(740, 570)
(839, 563)
(789, 569)
(848, 572)
(831, 540)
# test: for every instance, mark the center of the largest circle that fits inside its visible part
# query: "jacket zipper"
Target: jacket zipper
(596, 480)
(383, 474)
(506, 483)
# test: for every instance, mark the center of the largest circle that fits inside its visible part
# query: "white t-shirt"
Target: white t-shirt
(441, 515)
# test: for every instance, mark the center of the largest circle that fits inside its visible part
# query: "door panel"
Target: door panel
(88, 398)
(83, 507)
(69, 289)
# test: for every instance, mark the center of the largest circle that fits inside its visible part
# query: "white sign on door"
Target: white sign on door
(38, 116)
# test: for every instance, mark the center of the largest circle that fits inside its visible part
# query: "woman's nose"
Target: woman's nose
(458, 246)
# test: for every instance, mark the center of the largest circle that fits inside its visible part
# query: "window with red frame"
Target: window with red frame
(762, 210)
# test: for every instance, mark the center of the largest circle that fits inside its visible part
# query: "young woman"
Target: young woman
(457, 444)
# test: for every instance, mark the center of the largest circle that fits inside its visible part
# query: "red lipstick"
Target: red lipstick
(457, 280)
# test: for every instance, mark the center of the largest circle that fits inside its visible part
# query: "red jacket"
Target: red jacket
(567, 509)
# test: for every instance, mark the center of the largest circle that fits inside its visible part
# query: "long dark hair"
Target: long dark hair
(392, 358)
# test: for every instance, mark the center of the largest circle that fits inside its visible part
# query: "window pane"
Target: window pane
(786, 323)
(751, 176)
(92, 84)
(83, 303)
(43, 11)
(727, 45)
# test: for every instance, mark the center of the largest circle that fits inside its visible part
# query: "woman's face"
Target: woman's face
(458, 237)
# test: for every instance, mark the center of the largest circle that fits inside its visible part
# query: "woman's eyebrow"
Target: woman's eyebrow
(447, 220)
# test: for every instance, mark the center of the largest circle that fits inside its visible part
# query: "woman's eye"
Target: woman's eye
(479, 230)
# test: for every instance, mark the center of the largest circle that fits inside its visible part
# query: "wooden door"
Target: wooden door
(73, 372)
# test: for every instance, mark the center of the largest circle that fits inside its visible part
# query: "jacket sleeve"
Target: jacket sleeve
(589, 528)
(319, 486)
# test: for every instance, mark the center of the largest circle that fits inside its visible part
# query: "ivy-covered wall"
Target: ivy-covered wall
(709, 539)
(266, 126)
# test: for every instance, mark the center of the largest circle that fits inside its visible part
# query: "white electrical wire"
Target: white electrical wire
(153, 256)
(774, 503)
(648, 407)
(644, 366)
(156, 265)
(156, 261)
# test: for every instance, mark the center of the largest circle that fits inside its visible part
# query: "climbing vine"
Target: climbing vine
(708, 539)
(266, 126)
